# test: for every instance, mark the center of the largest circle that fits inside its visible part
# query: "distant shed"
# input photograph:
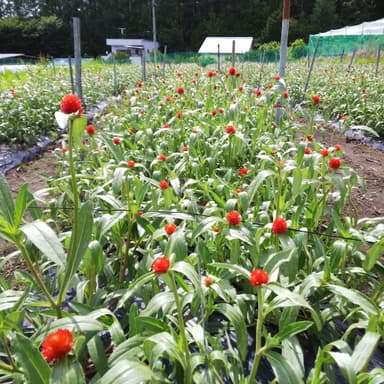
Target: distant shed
(211, 43)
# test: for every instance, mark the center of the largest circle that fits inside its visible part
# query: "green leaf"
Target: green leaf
(7, 207)
(355, 297)
(235, 316)
(177, 245)
(344, 361)
(189, 272)
(67, 371)
(21, 204)
(45, 239)
(127, 372)
(96, 352)
(293, 329)
(234, 268)
(373, 254)
(283, 371)
(256, 182)
(78, 127)
(30, 360)
(364, 350)
(114, 149)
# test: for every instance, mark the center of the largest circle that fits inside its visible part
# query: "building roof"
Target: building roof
(10, 55)
(367, 28)
(128, 42)
(210, 44)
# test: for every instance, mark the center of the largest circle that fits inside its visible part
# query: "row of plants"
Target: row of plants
(29, 98)
(188, 238)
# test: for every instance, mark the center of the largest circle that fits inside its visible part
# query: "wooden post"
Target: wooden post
(71, 75)
(77, 49)
(164, 59)
(378, 60)
(218, 58)
(342, 56)
(233, 52)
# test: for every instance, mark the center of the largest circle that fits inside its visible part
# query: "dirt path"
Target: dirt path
(368, 163)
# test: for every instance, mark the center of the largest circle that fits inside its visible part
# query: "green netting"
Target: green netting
(343, 44)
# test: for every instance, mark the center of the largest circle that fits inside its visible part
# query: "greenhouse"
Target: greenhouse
(366, 37)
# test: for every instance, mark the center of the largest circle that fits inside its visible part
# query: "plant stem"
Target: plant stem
(188, 373)
(259, 328)
(72, 251)
(35, 273)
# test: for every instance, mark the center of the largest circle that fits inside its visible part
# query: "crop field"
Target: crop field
(188, 236)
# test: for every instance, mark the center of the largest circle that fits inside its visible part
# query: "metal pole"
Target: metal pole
(143, 68)
(310, 68)
(283, 52)
(233, 52)
(352, 58)
(71, 75)
(218, 58)
(262, 57)
(114, 74)
(164, 59)
(378, 60)
(154, 32)
(77, 49)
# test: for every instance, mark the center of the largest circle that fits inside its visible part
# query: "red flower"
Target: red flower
(258, 92)
(179, 114)
(307, 151)
(64, 150)
(241, 88)
(310, 138)
(334, 163)
(243, 171)
(71, 104)
(258, 277)
(166, 125)
(208, 281)
(221, 110)
(203, 203)
(277, 77)
(214, 112)
(170, 228)
(337, 147)
(184, 149)
(162, 157)
(232, 71)
(239, 190)
(180, 90)
(233, 217)
(211, 73)
(90, 129)
(316, 99)
(216, 228)
(167, 98)
(139, 84)
(131, 163)
(273, 153)
(279, 226)
(116, 140)
(160, 265)
(230, 130)
(139, 213)
(163, 184)
(57, 344)
(324, 152)
(285, 95)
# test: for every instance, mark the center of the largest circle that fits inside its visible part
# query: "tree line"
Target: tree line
(44, 27)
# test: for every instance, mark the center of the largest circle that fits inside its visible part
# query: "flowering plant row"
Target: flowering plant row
(188, 238)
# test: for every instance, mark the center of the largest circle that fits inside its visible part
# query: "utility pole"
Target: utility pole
(283, 53)
(154, 31)
(77, 49)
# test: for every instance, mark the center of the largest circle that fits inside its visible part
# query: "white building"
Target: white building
(133, 47)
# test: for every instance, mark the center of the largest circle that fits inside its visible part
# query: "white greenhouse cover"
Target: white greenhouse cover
(242, 44)
(366, 28)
